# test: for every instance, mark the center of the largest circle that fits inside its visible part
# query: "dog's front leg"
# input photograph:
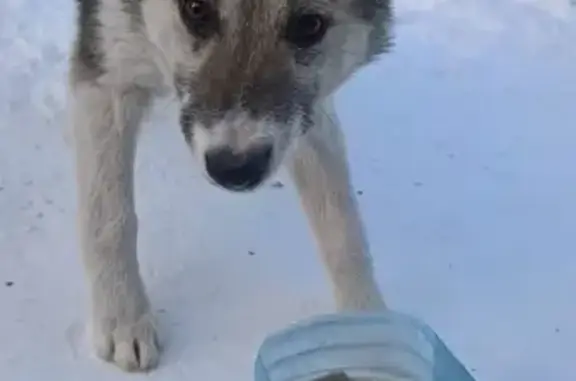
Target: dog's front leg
(105, 123)
(321, 175)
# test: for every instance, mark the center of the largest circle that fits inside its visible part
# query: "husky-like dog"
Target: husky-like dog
(255, 81)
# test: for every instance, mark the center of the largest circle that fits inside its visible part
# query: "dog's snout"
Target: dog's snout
(239, 171)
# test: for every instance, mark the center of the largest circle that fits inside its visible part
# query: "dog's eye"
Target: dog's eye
(199, 9)
(200, 17)
(306, 29)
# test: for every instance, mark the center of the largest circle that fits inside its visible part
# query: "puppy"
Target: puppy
(254, 79)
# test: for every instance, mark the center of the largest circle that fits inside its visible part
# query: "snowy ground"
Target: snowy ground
(462, 142)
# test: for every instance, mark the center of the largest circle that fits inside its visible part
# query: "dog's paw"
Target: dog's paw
(131, 344)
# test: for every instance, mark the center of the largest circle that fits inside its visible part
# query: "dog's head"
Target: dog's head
(249, 73)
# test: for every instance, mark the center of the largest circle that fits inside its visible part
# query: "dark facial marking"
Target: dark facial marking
(192, 113)
(248, 68)
(252, 68)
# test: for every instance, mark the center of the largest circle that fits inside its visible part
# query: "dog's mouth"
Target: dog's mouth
(239, 171)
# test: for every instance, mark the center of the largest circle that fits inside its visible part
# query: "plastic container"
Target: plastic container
(384, 346)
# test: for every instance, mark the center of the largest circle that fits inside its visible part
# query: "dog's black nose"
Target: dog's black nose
(239, 171)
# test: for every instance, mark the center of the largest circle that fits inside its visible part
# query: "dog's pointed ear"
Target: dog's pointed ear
(339, 376)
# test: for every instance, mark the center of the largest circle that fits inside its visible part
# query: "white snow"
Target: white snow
(462, 140)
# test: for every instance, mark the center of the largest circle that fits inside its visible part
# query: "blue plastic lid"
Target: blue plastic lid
(386, 346)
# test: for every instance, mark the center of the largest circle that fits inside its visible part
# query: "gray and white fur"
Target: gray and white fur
(255, 80)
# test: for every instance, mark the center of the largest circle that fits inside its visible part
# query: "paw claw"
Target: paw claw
(132, 346)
